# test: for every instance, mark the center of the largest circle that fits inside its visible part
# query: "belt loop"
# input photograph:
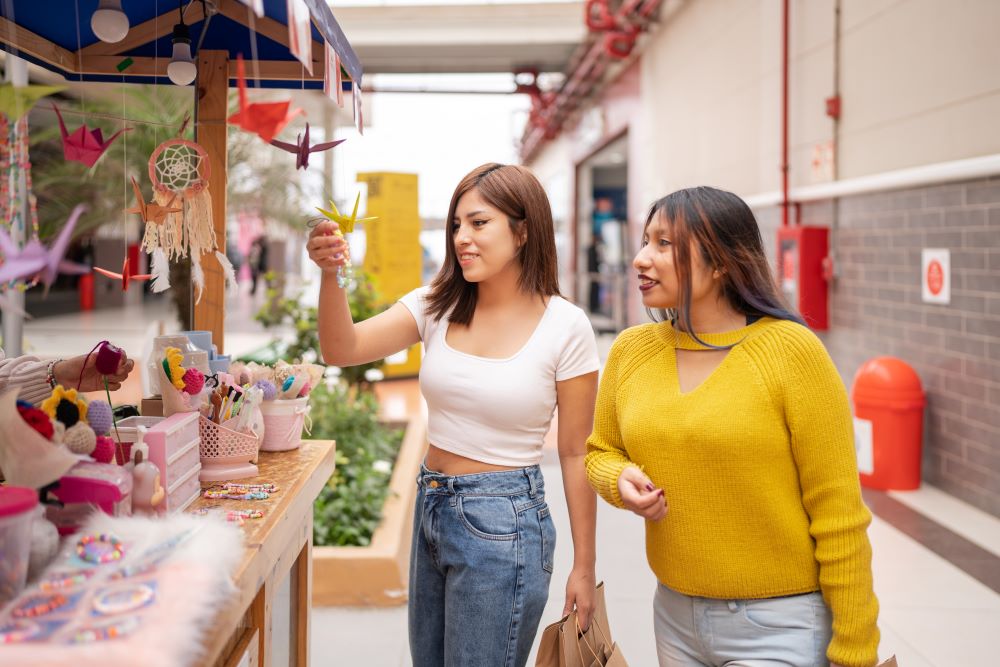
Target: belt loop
(531, 483)
(733, 606)
(451, 485)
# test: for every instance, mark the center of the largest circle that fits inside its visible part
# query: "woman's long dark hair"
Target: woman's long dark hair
(515, 192)
(726, 231)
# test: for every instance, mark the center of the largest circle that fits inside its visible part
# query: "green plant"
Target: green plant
(349, 508)
(279, 309)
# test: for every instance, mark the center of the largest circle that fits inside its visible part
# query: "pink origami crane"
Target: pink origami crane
(266, 119)
(83, 145)
(125, 276)
(302, 149)
(35, 260)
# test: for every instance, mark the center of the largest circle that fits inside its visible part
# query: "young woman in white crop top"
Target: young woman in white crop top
(502, 350)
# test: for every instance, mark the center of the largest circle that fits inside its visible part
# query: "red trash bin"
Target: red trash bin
(888, 401)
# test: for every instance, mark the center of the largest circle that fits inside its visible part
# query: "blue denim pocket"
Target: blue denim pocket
(488, 517)
(548, 530)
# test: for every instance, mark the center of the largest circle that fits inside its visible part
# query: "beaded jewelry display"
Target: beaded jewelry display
(39, 605)
(100, 549)
(106, 629)
(124, 599)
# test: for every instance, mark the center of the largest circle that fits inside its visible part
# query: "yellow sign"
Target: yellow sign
(393, 256)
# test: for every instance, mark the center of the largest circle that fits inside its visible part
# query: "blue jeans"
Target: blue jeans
(480, 566)
(792, 631)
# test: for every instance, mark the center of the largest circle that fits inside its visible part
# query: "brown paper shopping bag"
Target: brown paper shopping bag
(891, 662)
(563, 644)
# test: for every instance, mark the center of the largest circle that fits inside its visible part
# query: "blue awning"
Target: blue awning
(58, 36)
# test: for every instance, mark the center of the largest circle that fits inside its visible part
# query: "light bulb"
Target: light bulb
(182, 69)
(109, 22)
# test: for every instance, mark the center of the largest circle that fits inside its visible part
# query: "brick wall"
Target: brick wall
(876, 309)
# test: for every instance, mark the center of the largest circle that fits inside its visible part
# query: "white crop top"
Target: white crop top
(498, 410)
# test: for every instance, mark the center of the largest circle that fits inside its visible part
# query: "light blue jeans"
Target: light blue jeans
(480, 565)
(791, 631)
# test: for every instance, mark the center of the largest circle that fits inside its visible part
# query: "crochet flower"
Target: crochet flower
(36, 419)
(65, 406)
(194, 381)
(172, 366)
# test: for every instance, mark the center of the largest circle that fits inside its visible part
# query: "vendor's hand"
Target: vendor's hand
(68, 373)
(640, 496)
(327, 248)
(580, 593)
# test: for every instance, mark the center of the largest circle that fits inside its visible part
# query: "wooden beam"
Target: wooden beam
(275, 70)
(36, 46)
(146, 32)
(213, 107)
(268, 27)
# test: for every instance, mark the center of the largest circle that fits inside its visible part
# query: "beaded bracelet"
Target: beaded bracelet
(100, 549)
(110, 629)
(57, 582)
(223, 494)
(50, 376)
(235, 487)
(39, 605)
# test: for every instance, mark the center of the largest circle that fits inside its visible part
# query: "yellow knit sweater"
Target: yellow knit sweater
(758, 469)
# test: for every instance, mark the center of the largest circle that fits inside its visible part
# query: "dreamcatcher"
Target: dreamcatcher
(179, 170)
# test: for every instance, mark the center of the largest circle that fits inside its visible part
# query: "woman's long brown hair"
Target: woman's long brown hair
(516, 192)
(724, 228)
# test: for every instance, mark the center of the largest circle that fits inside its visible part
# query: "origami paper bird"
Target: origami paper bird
(266, 119)
(15, 101)
(302, 149)
(83, 145)
(151, 212)
(346, 222)
(35, 260)
(125, 276)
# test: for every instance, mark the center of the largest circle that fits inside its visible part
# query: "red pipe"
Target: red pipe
(784, 114)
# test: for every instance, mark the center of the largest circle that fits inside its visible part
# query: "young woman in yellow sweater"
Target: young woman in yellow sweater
(727, 427)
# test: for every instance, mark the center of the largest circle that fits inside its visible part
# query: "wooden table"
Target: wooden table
(278, 546)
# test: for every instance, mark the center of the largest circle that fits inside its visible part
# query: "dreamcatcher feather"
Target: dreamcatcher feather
(179, 170)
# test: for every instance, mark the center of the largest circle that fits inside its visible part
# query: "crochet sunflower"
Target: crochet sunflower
(172, 366)
(66, 406)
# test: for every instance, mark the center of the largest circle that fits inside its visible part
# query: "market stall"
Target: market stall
(184, 535)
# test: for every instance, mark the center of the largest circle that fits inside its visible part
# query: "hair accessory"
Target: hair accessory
(99, 549)
(123, 599)
(39, 605)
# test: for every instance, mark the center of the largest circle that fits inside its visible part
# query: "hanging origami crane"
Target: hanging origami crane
(84, 145)
(151, 212)
(15, 101)
(126, 276)
(266, 119)
(35, 260)
(346, 222)
(302, 149)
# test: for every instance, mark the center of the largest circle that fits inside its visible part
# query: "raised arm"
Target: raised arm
(342, 341)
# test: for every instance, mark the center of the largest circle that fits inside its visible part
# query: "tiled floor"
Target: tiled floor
(933, 613)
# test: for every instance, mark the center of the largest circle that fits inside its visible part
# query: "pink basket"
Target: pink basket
(226, 454)
(283, 422)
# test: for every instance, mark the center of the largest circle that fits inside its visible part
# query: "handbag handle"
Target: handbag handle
(580, 633)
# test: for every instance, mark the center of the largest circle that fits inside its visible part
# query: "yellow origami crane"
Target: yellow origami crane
(346, 222)
(15, 101)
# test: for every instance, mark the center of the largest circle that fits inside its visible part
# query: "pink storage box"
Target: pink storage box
(86, 485)
(173, 447)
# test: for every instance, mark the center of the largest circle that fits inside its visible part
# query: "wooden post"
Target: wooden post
(213, 107)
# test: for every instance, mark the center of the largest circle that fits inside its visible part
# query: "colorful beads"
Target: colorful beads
(39, 605)
(223, 494)
(123, 599)
(100, 549)
(106, 629)
(62, 581)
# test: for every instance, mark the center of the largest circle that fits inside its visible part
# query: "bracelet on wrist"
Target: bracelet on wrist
(50, 376)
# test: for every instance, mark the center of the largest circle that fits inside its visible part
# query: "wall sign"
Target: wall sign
(935, 275)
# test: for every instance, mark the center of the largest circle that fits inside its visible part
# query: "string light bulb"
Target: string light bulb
(182, 69)
(109, 22)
